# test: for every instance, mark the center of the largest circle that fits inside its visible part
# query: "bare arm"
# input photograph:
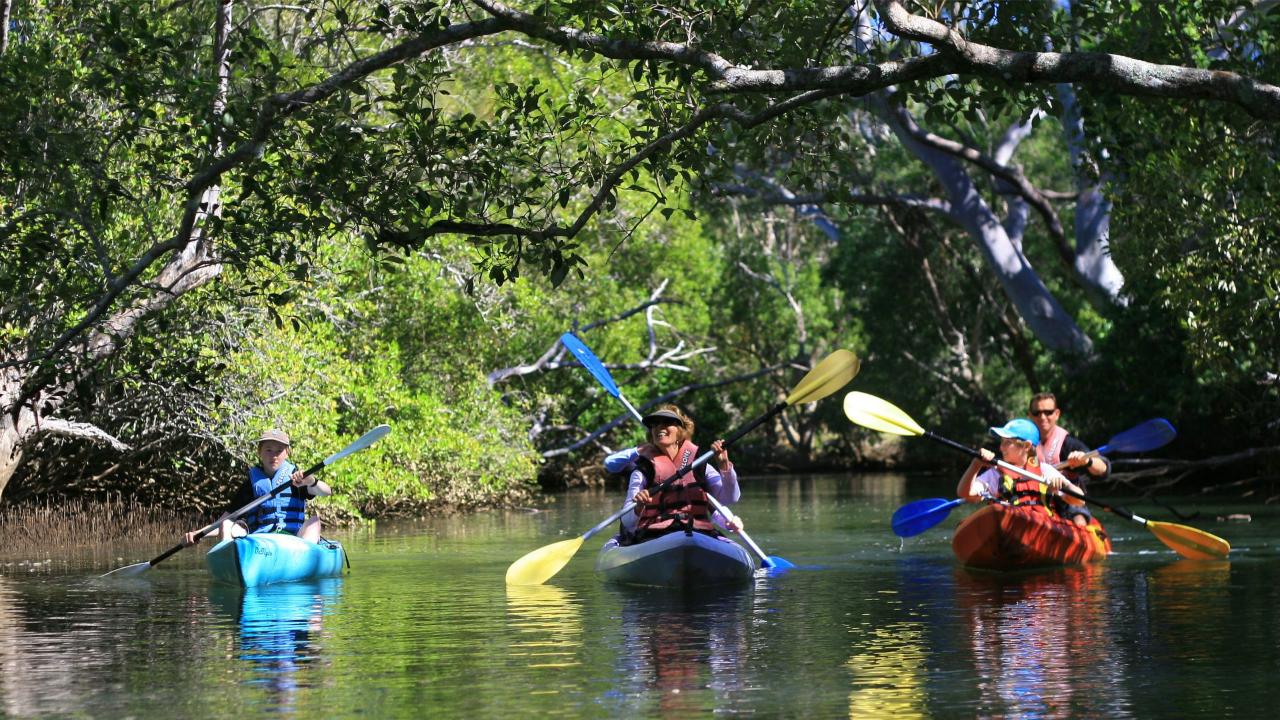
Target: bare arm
(969, 489)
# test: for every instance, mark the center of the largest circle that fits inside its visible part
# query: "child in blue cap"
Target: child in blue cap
(1018, 441)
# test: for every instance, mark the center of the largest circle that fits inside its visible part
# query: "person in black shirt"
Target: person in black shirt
(1057, 446)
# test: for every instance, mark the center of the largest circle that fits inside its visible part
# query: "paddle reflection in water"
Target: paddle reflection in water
(548, 623)
(279, 626)
(685, 653)
(1190, 600)
(1042, 643)
(888, 665)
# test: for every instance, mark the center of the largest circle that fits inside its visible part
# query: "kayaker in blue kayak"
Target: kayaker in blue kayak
(1018, 441)
(286, 512)
(1057, 445)
(683, 505)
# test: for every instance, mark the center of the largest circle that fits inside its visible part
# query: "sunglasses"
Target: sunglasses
(1044, 412)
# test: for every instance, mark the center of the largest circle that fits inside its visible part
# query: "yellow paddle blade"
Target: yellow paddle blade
(834, 372)
(883, 416)
(540, 565)
(1189, 542)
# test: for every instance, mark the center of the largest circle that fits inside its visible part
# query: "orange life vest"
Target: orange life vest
(1019, 490)
(680, 505)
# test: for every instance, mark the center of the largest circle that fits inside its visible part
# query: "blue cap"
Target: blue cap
(1021, 428)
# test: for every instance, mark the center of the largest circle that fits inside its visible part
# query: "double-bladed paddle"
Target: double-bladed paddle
(872, 412)
(361, 443)
(602, 374)
(916, 517)
(1149, 435)
(828, 376)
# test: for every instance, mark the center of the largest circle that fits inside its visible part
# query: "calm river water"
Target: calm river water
(423, 626)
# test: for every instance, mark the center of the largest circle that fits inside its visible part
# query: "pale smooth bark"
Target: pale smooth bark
(1042, 312)
(1093, 263)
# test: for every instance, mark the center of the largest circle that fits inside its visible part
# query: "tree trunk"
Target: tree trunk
(1048, 320)
(1093, 263)
(190, 267)
(14, 423)
(5, 7)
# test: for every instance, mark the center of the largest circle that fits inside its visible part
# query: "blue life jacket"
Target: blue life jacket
(286, 511)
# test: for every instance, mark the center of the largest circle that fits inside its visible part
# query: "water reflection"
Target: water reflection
(548, 623)
(888, 666)
(1186, 599)
(278, 629)
(425, 627)
(1042, 644)
(889, 671)
(683, 654)
(11, 638)
(57, 639)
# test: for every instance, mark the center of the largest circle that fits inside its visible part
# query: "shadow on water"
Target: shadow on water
(278, 628)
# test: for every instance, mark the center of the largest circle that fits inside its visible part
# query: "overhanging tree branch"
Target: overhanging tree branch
(956, 56)
(1011, 174)
(1116, 73)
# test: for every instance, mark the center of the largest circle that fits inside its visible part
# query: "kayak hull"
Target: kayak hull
(264, 558)
(676, 560)
(1005, 537)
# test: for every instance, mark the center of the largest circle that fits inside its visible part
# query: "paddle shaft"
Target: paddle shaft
(235, 515)
(1015, 469)
(1089, 455)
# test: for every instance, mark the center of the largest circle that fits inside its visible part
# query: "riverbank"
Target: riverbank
(32, 527)
(33, 531)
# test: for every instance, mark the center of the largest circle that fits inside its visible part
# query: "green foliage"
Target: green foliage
(1208, 259)
(470, 172)
(343, 370)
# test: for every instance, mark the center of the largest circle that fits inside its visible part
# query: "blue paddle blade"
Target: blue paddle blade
(1152, 434)
(590, 362)
(914, 518)
(773, 562)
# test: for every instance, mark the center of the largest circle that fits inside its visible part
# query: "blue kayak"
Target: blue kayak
(264, 558)
(676, 560)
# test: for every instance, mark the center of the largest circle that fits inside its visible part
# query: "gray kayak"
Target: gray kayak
(676, 560)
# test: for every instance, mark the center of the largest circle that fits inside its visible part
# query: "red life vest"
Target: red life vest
(681, 504)
(1019, 490)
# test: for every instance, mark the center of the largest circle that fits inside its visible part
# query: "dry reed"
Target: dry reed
(88, 523)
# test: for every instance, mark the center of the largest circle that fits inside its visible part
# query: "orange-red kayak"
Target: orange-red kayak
(1005, 537)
